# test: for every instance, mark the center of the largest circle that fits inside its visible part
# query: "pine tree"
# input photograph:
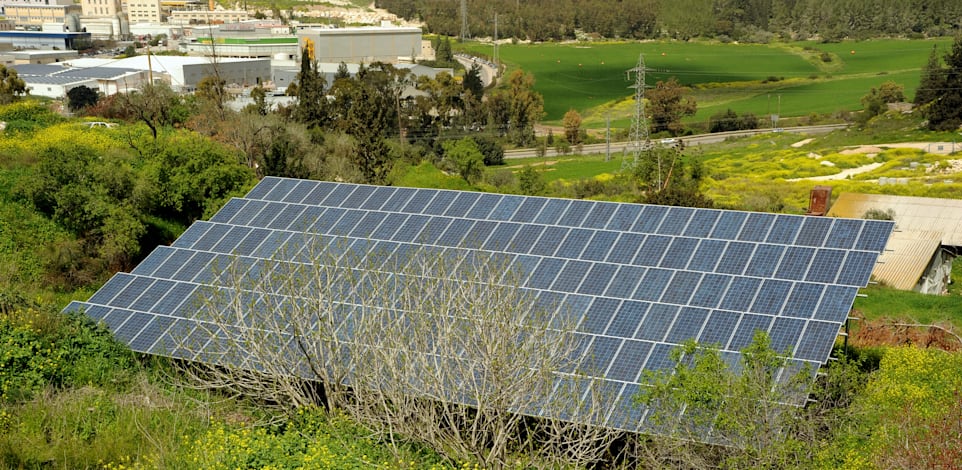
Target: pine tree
(472, 81)
(342, 72)
(930, 83)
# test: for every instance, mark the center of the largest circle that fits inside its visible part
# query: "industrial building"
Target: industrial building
(357, 45)
(42, 57)
(41, 39)
(251, 39)
(184, 73)
(927, 238)
(55, 80)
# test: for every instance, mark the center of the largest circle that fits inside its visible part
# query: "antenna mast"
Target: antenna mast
(640, 141)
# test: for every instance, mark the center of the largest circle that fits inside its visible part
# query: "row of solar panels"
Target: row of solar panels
(637, 279)
(245, 235)
(636, 218)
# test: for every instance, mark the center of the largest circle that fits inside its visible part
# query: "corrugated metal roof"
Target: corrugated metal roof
(905, 258)
(37, 70)
(911, 214)
(922, 224)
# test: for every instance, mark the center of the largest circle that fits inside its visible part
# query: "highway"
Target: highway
(488, 71)
(618, 147)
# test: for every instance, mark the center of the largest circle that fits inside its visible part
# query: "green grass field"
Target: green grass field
(591, 78)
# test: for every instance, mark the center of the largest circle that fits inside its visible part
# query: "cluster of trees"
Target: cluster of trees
(121, 196)
(729, 120)
(742, 20)
(375, 110)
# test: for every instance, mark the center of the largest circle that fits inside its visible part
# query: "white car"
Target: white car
(94, 124)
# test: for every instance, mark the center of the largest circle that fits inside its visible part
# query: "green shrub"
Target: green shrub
(42, 348)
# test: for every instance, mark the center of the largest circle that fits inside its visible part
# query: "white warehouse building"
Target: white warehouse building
(184, 73)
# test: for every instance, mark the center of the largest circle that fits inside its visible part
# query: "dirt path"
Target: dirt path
(842, 174)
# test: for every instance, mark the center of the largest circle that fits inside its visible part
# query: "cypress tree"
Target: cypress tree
(930, 83)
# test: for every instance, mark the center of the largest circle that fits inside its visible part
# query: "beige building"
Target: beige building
(144, 11)
(100, 8)
(34, 14)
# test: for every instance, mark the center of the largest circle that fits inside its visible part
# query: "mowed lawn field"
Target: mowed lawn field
(793, 79)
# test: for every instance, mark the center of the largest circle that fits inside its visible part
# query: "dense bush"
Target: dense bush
(43, 349)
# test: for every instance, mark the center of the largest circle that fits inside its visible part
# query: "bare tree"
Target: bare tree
(424, 343)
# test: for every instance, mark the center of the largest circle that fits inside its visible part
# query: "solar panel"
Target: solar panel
(637, 279)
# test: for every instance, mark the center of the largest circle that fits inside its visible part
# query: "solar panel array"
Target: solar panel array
(640, 278)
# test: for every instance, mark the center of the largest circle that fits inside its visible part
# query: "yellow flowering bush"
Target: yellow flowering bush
(311, 440)
(904, 402)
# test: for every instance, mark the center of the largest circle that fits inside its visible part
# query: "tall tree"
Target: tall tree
(945, 113)
(472, 81)
(931, 81)
(312, 106)
(667, 104)
(443, 52)
(572, 125)
(518, 108)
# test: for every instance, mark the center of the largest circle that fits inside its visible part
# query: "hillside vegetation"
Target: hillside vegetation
(739, 20)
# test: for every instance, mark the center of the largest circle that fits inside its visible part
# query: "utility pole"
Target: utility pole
(777, 114)
(607, 137)
(639, 140)
(464, 20)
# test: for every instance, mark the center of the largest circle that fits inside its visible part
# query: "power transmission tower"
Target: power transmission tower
(497, 59)
(639, 141)
(464, 20)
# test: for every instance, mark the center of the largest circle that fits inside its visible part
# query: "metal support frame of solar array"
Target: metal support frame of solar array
(642, 278)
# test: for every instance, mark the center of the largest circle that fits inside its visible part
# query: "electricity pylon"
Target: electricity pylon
(464, 20)
(639, 140)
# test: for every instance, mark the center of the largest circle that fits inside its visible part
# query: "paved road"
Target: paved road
(619, 147)
(488, 71)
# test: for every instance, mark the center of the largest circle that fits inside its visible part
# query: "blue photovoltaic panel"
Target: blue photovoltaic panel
(637, 279)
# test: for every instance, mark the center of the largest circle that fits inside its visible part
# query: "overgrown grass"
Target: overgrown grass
(885, 302)
(426, 175)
